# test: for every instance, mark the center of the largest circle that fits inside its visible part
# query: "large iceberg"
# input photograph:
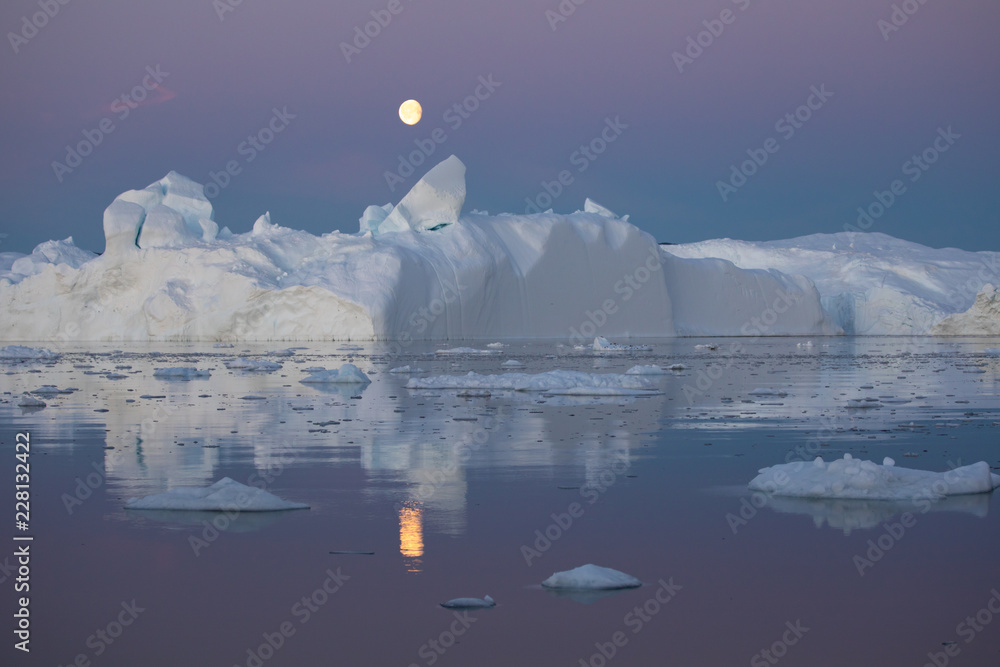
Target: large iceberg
(424, 270)
(872, 283)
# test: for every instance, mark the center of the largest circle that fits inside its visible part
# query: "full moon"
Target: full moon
(410, 112)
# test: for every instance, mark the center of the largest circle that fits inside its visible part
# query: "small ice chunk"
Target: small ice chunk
(496, 345)
(591, 577)
(764, 391)
(470, 603)
(52, 390)
(181, 373)
(244, 364)
(706, 346)
(652, 369)
(346, 374)
(512, 363)
(407, 370)
(224, 495)
(863, 403)
(29, 401)
(22, 352)
(602, 344)
(465, 350)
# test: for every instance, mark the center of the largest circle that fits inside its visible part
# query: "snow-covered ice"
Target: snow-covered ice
(29, 401)
(346, 374)
(224, 495)
(591, 577)
(854, 478)
(563, 382)
(405, 370)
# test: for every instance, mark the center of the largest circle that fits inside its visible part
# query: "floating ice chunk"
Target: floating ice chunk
(288, 352)
(224, 495)
(706, 346)
(21, 352)
(244, 364)
(574, 383)
(52, 390)
(435, 200)
(407, 369)
(863, 403)
(591, 577)
(223, 345)
(764, 391)
(512, 363)
(346, 374)
(496, 346)
(994, 351)
(29, 401)
(852, 478)
(602, 344)
(677, 367)
(470, 603)
(465, 350)
(652, 369)
(808, 343)
(181, 373)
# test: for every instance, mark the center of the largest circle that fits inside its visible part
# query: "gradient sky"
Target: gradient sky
(607, 59)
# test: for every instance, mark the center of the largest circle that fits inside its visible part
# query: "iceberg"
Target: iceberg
(602, 344)
(591, 577)
(181, 373)
(254, 365)
(422, 269)
(850, 478)
(346, 374)
(981, 319)
(224, 495)
(651, 369)
(870, 283)
(470, 603)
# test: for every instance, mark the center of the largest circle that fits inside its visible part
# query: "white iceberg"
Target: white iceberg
(346, 374)
(405, 370)
(224, 495)
(981, 319)
(591, 577)
(562, 382)
(865, 480)
(470, 603)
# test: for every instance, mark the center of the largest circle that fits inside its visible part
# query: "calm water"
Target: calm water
(473, 496)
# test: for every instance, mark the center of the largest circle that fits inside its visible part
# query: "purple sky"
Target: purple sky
(685, 130)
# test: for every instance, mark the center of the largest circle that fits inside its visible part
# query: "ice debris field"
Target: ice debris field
(424, 270)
